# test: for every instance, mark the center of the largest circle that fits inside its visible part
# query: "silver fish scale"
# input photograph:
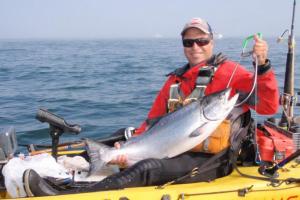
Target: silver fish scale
(174, 134)
(168, 131)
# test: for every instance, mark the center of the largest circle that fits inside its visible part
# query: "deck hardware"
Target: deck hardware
(242, 192)
(166, 197)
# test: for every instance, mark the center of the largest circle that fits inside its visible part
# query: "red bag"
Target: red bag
(273, 145)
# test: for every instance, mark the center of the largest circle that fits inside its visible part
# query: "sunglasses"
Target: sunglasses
(199, 41)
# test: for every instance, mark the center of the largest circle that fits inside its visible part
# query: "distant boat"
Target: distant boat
(218, 36)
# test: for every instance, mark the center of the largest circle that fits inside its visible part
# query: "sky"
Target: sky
(91, 19)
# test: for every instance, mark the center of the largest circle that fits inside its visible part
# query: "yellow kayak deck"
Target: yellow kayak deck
(230, 187)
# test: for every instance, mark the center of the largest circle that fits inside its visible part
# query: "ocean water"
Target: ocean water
(103, 85)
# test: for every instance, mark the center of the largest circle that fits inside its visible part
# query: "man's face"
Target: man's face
(196, 53)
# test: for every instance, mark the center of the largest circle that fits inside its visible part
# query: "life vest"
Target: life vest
(176, 97)
(220, 138)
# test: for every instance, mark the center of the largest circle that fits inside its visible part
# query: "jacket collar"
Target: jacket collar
(181, 72)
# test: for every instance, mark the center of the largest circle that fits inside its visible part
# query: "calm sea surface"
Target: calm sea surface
(103, 85)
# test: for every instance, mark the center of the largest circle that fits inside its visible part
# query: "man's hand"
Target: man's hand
(260, 49)
(121, 160)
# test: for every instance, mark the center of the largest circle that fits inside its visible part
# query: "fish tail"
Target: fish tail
(96, 151)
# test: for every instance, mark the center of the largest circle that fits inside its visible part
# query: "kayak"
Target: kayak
(233, 186)
(243, 183)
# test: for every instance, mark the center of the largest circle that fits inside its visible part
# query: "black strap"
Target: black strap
(205, 75)
(209, 162)
(207, 166)
(237, 138)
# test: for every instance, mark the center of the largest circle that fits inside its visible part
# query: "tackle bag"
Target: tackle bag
(274, 144)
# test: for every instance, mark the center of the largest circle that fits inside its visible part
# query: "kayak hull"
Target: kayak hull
(230, 187)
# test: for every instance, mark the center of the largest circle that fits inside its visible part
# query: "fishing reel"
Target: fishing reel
(287, 101)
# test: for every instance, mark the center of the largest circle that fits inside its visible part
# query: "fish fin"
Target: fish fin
(95, 152)
(196, 132)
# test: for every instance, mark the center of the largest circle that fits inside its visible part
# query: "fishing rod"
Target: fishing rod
(288, 99)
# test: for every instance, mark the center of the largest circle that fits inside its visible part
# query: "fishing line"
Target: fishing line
(254, 85)
(246, 54)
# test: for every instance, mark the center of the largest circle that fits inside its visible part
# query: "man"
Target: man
(198, 45)
(212, 74)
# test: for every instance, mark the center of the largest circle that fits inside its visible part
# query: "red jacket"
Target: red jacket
(267, 94)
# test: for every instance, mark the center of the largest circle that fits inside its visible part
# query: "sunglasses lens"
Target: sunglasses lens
(188, 42)
(200, 42)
